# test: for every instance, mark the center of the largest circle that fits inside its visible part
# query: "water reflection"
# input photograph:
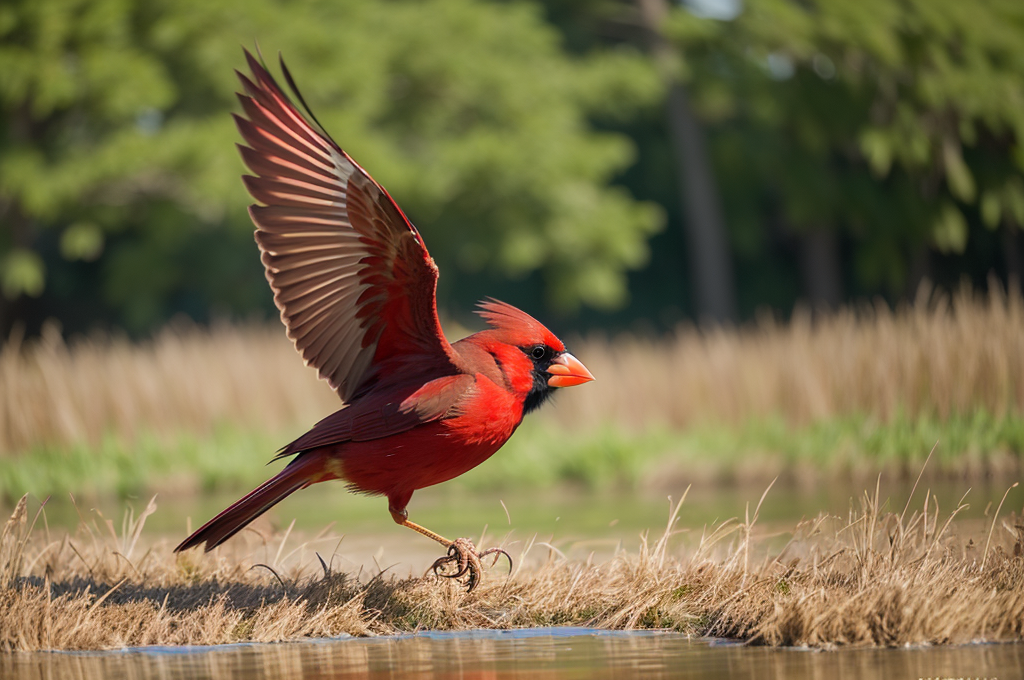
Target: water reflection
(577, 514)
(562, 653)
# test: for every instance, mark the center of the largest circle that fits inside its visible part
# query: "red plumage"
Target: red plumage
(356, 289)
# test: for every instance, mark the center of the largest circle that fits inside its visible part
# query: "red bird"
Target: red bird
(356, 289)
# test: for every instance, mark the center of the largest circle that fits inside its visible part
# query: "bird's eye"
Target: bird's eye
(538, 352)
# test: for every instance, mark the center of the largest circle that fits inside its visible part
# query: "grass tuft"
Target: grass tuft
(873, 578)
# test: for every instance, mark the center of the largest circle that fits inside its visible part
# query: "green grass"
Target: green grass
(540, 455)
(974, 445)
(228, 458)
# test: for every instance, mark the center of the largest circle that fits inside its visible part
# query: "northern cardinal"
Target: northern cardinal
(356, 289)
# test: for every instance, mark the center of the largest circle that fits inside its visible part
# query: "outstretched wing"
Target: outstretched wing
(350, 274)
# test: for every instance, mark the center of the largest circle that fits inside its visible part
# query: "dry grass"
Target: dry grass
(939, 357)
(873, 578)
(185, 378)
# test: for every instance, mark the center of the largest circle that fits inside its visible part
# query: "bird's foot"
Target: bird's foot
(466, 560)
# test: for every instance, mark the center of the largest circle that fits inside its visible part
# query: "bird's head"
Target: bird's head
(534, 360)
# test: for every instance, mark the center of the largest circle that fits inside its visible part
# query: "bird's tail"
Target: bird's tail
(306, 469)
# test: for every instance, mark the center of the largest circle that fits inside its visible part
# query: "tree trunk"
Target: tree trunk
(1011, 253)
(704, 227)
(821, 268)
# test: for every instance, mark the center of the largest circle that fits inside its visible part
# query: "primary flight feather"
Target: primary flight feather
(356, 289)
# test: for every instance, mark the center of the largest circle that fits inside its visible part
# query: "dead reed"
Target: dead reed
(873, 578)
(184, 379)
(939, 357)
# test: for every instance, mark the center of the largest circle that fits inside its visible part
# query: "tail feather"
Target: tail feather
(301, 472)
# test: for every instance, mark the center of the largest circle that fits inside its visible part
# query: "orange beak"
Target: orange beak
(566, 370)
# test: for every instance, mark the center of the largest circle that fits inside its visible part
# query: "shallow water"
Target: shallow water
(575, 522)
(561, 512)
(547, 653)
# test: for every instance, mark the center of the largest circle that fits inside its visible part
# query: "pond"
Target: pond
(535, 654)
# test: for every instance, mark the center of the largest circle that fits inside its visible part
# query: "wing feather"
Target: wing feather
(350, 274)
(382, 415)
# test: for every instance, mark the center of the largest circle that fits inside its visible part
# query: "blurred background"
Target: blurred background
(785, 233)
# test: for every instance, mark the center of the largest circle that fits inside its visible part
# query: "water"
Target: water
(564, 513)
(575, 522)
(535, 654)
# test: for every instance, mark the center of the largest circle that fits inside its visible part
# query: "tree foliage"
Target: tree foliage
(895, 125)
(119, 177)
(898, 123)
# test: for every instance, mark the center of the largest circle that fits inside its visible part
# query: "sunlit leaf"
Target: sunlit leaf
(950, 230)
(22, 273)
(81, 241)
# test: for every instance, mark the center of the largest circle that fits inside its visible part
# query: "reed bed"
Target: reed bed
(940, 357)
(874, 578)
(186, 378)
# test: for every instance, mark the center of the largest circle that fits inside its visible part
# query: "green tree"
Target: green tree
(117, 148)
(896, 125)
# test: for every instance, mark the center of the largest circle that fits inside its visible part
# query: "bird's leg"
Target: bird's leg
(461, 552)
(403, 519)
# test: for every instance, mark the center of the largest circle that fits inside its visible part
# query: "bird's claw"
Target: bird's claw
(463, 554)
